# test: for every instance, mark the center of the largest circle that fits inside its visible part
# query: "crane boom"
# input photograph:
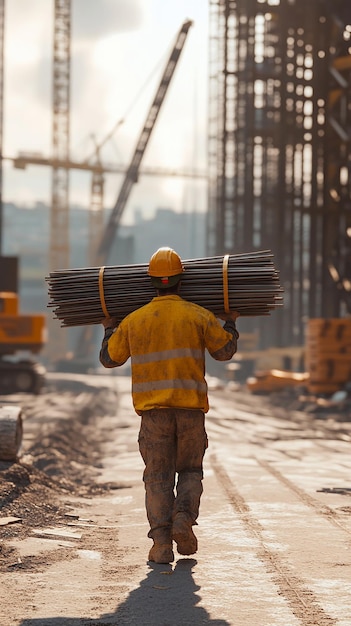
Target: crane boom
(132, 172)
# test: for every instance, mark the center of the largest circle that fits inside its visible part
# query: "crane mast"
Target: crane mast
(59, 222)
(59, 248)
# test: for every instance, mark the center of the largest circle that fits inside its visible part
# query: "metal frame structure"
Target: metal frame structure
(337, 230)
(279, 147)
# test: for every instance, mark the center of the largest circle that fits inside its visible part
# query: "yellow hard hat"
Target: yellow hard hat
(166, 267)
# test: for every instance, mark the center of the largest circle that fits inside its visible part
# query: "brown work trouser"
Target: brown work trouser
(172, 441)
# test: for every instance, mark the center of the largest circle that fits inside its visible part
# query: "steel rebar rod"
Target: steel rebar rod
(253, 288)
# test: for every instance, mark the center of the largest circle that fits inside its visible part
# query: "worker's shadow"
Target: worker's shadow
(165, 596)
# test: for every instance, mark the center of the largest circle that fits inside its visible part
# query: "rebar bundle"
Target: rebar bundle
(247, 283)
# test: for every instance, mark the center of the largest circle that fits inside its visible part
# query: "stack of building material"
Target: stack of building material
(328, 354)
(248, 283)
(275, 380)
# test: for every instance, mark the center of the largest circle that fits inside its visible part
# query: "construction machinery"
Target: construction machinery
(20, 336)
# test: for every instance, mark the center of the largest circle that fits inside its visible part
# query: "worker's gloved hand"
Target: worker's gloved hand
(109, 322)
(232, 315)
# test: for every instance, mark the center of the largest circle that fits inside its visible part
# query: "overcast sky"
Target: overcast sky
(119, 49)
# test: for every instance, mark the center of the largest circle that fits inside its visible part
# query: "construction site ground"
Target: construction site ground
(274, 529)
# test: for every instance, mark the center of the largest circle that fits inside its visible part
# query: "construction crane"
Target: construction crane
(61, 163)
(132, 174)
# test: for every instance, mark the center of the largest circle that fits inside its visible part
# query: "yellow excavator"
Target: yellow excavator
(19, 335)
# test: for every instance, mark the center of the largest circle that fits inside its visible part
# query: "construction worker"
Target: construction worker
(166, 340)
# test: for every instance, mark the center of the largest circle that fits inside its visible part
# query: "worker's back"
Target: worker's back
(166, 340)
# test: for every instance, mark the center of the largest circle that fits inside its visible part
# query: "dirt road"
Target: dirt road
(274, 530)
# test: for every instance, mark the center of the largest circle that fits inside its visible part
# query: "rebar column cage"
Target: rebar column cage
(278, 149)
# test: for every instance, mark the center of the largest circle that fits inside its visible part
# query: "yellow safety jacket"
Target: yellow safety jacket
(166, 340)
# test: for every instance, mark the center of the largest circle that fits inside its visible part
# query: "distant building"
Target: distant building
(26, 235)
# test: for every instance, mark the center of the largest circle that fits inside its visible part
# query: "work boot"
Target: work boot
(183, 535)
(161, 553)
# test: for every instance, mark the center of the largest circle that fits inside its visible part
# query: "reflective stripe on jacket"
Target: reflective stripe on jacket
(166, 340)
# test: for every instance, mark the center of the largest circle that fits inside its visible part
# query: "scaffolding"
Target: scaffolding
(279, 161)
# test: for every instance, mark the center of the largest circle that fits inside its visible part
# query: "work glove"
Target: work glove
(231, 316)
(109, 322)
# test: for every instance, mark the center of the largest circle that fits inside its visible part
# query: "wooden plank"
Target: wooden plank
(4, 521)
(57, 532)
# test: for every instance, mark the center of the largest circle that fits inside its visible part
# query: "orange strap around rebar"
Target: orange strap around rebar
(101, 291)
(225, 283)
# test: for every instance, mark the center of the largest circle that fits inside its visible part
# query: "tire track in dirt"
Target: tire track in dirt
(299, 597)
(322, 509)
